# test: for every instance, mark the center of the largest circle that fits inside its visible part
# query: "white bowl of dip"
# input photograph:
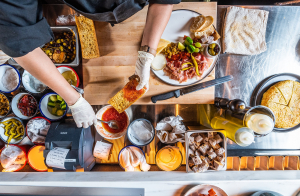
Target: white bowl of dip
(3, 69)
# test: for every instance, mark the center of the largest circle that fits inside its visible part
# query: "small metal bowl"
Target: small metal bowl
(119, 156)
(3, 69)
(131, 137)
(28, 88)
(9, 110)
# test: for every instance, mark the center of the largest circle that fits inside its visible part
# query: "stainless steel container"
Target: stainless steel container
(224, 145)
(11, 61)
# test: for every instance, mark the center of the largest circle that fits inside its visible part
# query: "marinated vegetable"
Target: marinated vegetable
(56, 105)
(4, 105)
(62, 49)
(170, 50)
(13, 129)
(27, 105)
(213, 49)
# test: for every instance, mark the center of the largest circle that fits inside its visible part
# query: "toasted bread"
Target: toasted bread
(209, 20)
(88, 38)
(127, 96)
(197, 23)
(207, 32)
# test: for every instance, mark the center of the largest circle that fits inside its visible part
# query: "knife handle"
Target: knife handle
(165, 96)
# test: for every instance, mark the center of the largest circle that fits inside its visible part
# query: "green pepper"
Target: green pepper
(196, 64)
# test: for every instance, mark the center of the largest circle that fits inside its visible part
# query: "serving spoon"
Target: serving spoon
(112, 123)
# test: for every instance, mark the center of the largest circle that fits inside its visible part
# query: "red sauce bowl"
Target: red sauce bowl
(105, 133)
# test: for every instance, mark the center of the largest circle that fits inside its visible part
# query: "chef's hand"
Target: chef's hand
(83, 113)
(142, 69)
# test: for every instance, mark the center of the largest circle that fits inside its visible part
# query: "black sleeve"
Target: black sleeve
(22, 27)
(164, 1)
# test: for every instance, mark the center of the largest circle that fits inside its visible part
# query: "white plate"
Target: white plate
(203, 189)
(177, 27)
(44, 108)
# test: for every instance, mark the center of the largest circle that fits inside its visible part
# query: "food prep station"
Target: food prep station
(276, 151)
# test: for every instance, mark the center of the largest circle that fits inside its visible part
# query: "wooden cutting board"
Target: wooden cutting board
(103, 77)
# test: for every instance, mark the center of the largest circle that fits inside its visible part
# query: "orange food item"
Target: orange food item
(113, 114)
(130, 92)
(36, 158)
(127, 96)
(211, 192)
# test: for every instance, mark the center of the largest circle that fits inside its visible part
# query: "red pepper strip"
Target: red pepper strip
(196, 64)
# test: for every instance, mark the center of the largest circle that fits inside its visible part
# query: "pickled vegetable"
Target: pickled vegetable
(191, 48)
(56, 105)
(197, 44)
(13, 129)
(188, 41)
(181, 46)
(4, 105)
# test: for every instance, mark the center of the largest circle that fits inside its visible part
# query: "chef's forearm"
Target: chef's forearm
(157, 19)
(38, 64)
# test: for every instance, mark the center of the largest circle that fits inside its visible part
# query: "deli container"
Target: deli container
(11, 61)
(224, 145)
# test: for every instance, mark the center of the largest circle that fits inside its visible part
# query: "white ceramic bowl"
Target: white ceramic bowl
(63, 68)
(3, 69)
(44, 109)
(15, 109)
(206, 53)
(100, 129)
(8, 109)
(27, 86)
(4, 137)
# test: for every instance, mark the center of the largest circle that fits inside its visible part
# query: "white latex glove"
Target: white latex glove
(142, 69)
(83, 113)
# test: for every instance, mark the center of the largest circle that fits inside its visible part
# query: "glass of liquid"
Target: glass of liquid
(243, 136)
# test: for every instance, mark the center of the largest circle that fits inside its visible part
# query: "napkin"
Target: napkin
(244, 31)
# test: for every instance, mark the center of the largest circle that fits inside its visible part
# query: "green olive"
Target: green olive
(211, 52)
(58, 41)
(212, 45)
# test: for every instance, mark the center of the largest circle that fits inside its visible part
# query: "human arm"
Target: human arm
(157, 19)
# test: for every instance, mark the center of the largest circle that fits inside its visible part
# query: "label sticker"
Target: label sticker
(102, 150)
(56, 157)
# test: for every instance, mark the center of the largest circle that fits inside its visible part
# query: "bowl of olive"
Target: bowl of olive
(212, 50)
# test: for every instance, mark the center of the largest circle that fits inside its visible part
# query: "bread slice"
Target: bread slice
(197, 23)
(207, 32)
(88, 38)
(127, 96)
(209, 20)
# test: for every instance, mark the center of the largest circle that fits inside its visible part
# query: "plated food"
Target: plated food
(127, 96)
(37, 129)
(12, 130)
(4, 105)
(206, 151)
(283, 99)
(63, 48)
(27, 105)
(205, 190)
(186, 61)
(132, 158)
(13, 158)
(56, 105)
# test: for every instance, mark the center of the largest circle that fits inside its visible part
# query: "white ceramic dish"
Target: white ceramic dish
(105, 133)
(131, 137)
(177, 27)
(44, 108)
(9, 110)
(120, 153)
(4, 137)
(62, 69)
(203, 189)
(15, 109)
(28, 87)
(3, 69)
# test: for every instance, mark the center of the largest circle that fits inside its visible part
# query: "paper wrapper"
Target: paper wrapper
(12, 158)
(171, 129)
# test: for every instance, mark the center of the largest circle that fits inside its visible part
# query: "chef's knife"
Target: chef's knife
(191, 89)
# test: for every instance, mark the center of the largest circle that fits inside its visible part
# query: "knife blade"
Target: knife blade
(190, 89)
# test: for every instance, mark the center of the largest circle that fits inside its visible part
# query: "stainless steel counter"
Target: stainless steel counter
(282, 56)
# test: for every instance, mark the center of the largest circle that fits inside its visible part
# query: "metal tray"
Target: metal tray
(11, 61)
(264, 85)
(187, 135)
